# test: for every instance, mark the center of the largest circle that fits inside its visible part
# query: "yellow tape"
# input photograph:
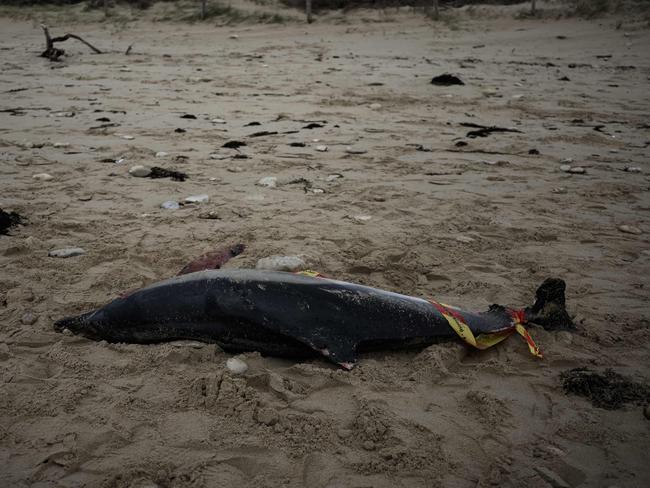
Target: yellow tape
(308, 272)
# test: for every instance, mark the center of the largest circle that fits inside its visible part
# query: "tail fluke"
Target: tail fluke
(549, 309)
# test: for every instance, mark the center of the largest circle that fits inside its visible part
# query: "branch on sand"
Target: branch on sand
(54, 53)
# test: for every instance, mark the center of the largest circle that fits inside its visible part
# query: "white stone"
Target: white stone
(203, 198)
(218, 121)
(578, 170)
(565, 167)
(268, 181)
(632, 169)
(236, 366)
(375, 106)
(464, 239)
(43, 177)
(321, 148)
(281, 263)
(629, 229)
(161, 154)
(139, 171)
(66, 252)
(61, 144)
(361, 218)
(127, 137)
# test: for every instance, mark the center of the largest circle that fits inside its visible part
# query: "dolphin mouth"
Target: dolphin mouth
(78, 325)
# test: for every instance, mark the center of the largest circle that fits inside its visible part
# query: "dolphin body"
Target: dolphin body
(290, 315)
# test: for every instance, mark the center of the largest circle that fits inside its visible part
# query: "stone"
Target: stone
(236, 366)
(28, 318)
(43, 177)
(66, 252)
(161, 154)
(361, 218)
(333, 177)
(374, 106)
(268, 181)
(321, 148)
(267, 416)
(630, 229)
(170, 205)
(61, 144)
(464, 239)
(139, 171)
(355, 150)
(281, 263)
(218, 121)
(552, 477)
(211, 215)
(577, 170)
(203, 198)
(632, 169)
(127, 137)
(565, 167)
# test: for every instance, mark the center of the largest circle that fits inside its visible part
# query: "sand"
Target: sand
(466, 224)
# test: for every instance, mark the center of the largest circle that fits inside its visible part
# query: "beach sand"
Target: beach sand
(416, 213)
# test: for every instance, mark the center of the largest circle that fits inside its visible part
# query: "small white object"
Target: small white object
(633, 169)
(565, 167)
(321, 148)
(317, 190)
(120, 161)
(161, 154)
(170, 205)
(577, 170)
(629, 229)
(333, 177)
(268, 181)
(218, 121)
(236, 366)
(233, 36)
(566, 161)
(281, 263)
(361, 218)
(125, 70)
(127, 137)
(139, 171)
(61, 144)
(43, 177)
(375, 106)
(66, 252)
(203, 198)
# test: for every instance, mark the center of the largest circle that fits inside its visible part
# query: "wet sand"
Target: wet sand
(414, 210)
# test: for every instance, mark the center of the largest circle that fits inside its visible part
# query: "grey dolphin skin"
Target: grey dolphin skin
(292, 315)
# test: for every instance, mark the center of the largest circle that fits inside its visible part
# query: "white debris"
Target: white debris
(161, 154)
(236, 366)
(630, 229)
(218, 121)
(321, 148)
(61, 144)
(268, 181)
(281, 263)
(203, 198)
(170, 205)
(66, 252)
(43, 177)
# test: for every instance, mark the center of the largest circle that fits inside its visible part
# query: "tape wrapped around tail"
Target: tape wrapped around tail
(549, 309)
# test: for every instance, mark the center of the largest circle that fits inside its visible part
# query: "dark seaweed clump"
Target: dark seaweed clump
(608, 390)
(157, 172)
(8, 220)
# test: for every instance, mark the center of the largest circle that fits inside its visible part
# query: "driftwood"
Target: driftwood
(54, 53)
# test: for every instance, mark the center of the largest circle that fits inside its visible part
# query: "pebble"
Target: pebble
(577, 170)
(161, 154)
(565, 167)
(268, 181)
(235, 169)
(29, 318)
(375, 106)
(632, 169)
(334, 176)
(361, 218)
(353, 150)
(66, 252)
(267, 416)
(43, 177)
(560, 190)
(464, 239)
(321, 148)
(281, 263)
(128, 138)
(85, 198)
(551, 477)
(218, 121)
(170, 205)
(61, 144)
(318, 191)
(236, 366)
(203, 198)
(211, 215)
(233, 36)
(139, 171)
(630, 229)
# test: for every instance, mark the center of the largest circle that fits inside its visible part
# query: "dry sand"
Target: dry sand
(442, 224)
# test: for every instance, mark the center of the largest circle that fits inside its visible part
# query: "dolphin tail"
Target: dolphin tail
(549, 309)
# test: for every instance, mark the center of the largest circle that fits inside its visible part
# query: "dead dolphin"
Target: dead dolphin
(284, 314)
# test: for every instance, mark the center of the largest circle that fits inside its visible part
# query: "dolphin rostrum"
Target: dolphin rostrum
(294, 315)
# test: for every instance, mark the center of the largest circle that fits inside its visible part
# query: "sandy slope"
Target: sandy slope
(78, 413)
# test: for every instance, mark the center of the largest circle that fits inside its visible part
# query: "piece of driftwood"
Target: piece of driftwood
(54, 53)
